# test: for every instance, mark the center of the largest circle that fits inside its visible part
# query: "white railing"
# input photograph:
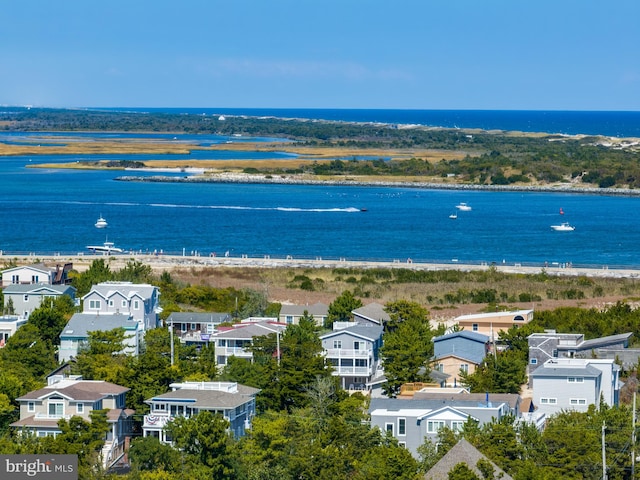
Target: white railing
(229, 351)
(46, 416)
(347, 353)
(359, 371)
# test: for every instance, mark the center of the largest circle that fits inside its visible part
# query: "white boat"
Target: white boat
(453, 216)
(107, 247)
(101, 222)
(464, 207)
(563, 227)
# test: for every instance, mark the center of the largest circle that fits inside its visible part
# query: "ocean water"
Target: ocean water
(53, 211)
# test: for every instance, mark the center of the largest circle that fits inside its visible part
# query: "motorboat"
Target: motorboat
(453, 216)
(101, 222)
(563, 227)
(463, 206)
(107, 247)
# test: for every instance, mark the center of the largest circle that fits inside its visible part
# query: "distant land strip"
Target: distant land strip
(296, 180)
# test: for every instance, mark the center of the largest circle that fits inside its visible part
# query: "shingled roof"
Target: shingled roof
(462, 452)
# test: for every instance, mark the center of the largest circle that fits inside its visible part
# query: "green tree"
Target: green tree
(51, 317)
(98, 272)
(148, 453)
(340, 309)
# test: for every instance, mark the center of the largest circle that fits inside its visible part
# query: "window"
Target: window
(518, 318)
(548, 401)
(34, 278)
(26, 298)
(389, 427)
(15, 279)
(533, 361)
(337, 344)
(56, 409)
(95, 305)
(111, 302)
(80, 408)
(124, 304)
(578, 401)
(159, 407)
(464, 367)
(457, 425)
(575, 379)
(361, 362)
(193, 326)
(31, 407)
(356, 345)
(402, 426)
(402, 444)
(474, 327)
(136, 305)
(554, 353)
(434, 425)
(183, 327)
(288, 319)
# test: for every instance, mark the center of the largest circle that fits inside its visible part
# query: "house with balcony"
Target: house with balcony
(550, 344)
(9, 325)
(235, 402)
(413, 419)
(456, 352)
(492, 323)
(25, 298)
(371, 314)
(574, 384)
(353, 351)
(36, 274)
(196, 328)
(236, 341)
(139, 301)
(75, 335)
(65, 397)
(291, 314)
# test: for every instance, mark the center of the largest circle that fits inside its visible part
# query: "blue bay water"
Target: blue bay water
(51, 210)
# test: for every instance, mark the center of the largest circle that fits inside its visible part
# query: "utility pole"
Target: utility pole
(604, 454)
(171, 340)
(633, 438)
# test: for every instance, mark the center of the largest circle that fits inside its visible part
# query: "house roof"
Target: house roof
(127, 289)
(373, 312)
(554, 370)
(466, 356)
(461, 452)
(198, 317)
(249, 330)
(431, 403)
(512, 399)
(81, 324)
(40, 267)
(371, 333)
(603, 341)
(80, 390)
(39, 289)
(473, 336)
(315, 309)
(209, 399)
(493, 315)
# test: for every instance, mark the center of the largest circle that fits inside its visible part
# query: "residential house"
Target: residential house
(373, 314)
(463, 452)
(75, 335)
(236, 341)
(353, 351)
(574, 384)
(9, 324)
(139, 301)
(291, 314)
(25, 298)
(459, 351)
(196, 328)
(235, 402)
(492, 323)
(550, 344)
(64, 397)
(412, 420)
(36, 274)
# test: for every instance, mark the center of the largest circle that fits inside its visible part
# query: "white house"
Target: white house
(139, 301)
(35, 274)
(9, 324)
(235, 341)
(574, 384)
(235, 402)
(25, 298)
(64, 397)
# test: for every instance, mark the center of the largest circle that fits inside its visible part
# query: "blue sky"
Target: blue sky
(414, 54)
